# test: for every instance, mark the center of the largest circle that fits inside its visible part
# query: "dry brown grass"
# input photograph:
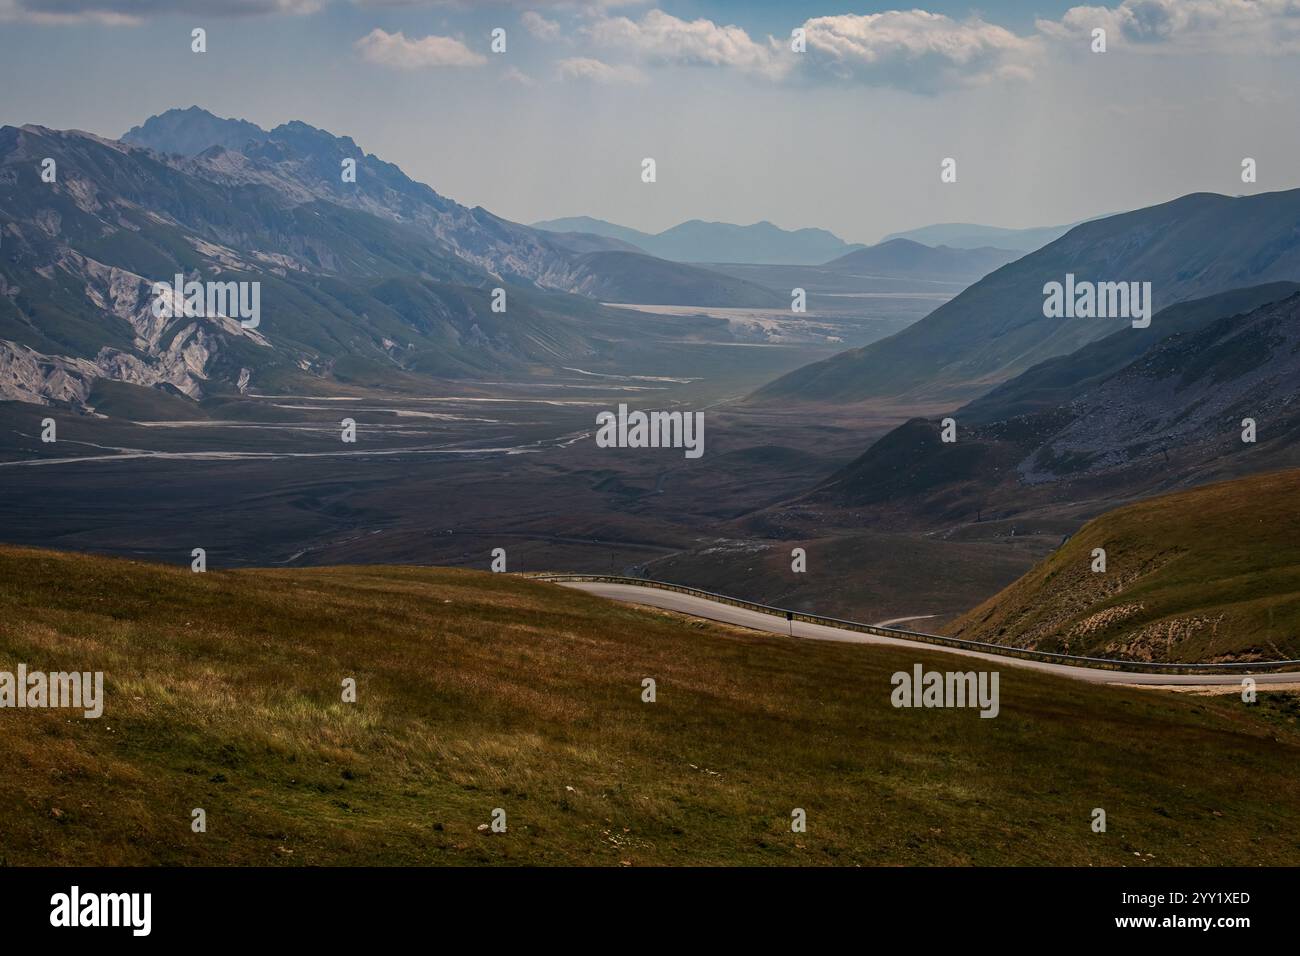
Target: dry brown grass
(479, 691)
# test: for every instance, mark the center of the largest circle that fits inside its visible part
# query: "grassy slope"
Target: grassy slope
(141, 403)
(479, 691)
(1202, 575)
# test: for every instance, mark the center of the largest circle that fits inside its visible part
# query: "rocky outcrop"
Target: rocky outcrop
(167, 351)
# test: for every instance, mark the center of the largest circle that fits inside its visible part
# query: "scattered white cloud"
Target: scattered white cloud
(661, 38)
(516, 75)
(930, 52)
(396, 51)
(916, 50)
(1186, 26)
(590, 70)
(907, 49)
(539, 26)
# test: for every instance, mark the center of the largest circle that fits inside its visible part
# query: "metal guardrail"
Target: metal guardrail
(939, 640)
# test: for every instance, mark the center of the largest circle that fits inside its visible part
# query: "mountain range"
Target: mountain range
(381, 277)
(1198, 245)
(301, 164)
(765, 243)
(969, 235)
(699, 241)
(903, 257)
(1114, 422)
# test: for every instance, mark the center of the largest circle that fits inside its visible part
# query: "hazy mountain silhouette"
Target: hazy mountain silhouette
(699, 241)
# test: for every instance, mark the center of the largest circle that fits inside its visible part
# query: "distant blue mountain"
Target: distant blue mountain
(699, 241)
(897, 257)
(969, 235)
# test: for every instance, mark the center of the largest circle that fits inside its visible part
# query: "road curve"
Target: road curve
(759, 621)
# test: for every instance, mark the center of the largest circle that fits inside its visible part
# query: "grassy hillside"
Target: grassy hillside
(478, 691)
(1204, 575)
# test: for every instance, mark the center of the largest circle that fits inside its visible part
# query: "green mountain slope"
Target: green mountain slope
(1211, 574)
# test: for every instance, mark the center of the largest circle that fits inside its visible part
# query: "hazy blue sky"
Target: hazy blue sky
(847, 136)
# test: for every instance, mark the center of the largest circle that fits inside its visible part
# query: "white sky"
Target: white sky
(848, 138)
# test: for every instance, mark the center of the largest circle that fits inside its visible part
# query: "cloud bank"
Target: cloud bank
(396, 51)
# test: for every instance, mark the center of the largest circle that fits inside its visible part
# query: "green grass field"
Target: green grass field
(479, 691)
(1211, 574)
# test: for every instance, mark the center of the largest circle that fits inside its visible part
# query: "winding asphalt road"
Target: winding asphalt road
(757, 620)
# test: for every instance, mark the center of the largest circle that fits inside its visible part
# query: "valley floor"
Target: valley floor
(444, 478)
